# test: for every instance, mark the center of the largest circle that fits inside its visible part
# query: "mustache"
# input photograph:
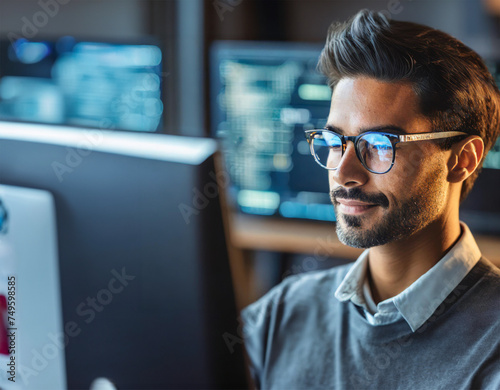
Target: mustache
(356, 194)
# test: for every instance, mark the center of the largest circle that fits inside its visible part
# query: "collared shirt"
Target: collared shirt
(420, 300)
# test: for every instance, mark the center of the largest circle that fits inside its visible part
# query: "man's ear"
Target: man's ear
(465, 158)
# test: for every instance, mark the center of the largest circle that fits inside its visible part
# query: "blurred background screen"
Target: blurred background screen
(264, 96)
(94, 84)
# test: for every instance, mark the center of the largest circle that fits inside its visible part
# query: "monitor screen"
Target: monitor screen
(264, 95)
(93, 84)
(146, 289)
(31, 321)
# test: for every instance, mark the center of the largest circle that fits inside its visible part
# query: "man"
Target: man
(413, 114)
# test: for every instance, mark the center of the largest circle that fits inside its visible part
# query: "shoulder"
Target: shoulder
(295, 291)
(487, 288)
(488, 275)
(284, 311)
(478, 295)
(491, 270)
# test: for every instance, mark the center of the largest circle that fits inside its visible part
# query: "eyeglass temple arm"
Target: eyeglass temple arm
(428, 136)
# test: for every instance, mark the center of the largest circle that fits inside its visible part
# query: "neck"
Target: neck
(394, 267)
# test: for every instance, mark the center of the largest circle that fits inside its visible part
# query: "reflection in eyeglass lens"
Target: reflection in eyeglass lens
(376, 152)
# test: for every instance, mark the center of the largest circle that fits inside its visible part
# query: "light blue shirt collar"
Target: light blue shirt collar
(420, 300)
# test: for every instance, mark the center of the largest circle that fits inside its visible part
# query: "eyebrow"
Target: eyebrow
(391, 128)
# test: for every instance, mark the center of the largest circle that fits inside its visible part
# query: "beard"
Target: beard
(403, 220)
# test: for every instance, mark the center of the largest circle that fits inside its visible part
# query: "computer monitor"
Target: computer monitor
(264, 95)
(145, 280)
(31, 319)
(82, 83)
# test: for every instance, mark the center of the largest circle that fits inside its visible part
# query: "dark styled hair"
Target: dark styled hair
(455, 89)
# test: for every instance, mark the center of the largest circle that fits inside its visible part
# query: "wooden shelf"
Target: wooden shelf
(290, 236)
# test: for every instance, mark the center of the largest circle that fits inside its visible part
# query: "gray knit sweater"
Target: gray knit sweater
(299, 336)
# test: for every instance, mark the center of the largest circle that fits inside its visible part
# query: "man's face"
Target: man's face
(376, 209)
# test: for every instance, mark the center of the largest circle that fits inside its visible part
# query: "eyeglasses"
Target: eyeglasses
(376, 150)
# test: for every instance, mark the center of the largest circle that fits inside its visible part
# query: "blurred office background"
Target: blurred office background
(242, 72)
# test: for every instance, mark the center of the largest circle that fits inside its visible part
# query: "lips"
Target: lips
(354, 207)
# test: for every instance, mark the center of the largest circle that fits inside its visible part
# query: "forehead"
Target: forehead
(363, 102)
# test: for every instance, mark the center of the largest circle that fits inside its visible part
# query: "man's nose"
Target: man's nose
(350, 172)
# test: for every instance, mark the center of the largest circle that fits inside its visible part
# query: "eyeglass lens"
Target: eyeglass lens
(375, 150)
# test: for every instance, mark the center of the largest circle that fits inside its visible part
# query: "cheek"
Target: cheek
(419, 176)
(390, 185)
(409, 162)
